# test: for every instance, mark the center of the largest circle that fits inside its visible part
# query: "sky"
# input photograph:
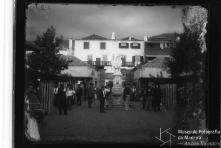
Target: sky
(80, 20)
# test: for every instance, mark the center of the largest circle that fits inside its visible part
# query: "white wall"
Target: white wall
(78, 71)
(112, 49)
(137, 74)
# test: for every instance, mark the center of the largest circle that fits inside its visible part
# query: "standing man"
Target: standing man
(143, 97)
(55, 92)
(62, 101)
(158, 97)
(90, 94)
(69, 95)
(153, 94)
(133, 93)
(101, 97)
(78, 94)
(126, 96)
(96, 90)
(107, 96)
(149, 99)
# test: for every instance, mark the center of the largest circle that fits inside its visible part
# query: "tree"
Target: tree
(46, 58)
(189, 59)
(189, 55)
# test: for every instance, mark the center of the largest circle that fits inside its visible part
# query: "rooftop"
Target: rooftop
(74, 61)
(165, 36)
(93, 37)
(158, 62)
(128, 38)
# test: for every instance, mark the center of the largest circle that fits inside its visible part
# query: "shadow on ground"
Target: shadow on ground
(88, 125)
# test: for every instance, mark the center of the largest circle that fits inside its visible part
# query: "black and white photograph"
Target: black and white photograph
(116, 74)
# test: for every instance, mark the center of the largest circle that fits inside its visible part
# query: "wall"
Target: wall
(156, 72)
(112, 49)
(146, 72)
(78, 71)
(137, 74)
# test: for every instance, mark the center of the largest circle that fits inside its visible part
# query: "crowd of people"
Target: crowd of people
(150, 97)
(66, 97)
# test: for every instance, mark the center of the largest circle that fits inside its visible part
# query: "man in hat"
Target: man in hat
(62, 101)
(101, 97)
(78, 94)
(126, 96)
(90, 94)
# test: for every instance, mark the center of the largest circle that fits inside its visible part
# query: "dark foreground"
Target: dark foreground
(84, 125)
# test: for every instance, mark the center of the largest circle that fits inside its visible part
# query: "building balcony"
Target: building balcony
(127, 64)
(99, 63)
(108, 63)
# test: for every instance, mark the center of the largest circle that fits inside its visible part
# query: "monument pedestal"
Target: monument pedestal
(117, 90)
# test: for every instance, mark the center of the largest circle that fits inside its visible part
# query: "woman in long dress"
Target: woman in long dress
(31, 131)
(31, 125)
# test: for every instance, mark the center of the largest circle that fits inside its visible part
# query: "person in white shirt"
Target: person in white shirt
(55, 92)
(69, 96)
(107, 98)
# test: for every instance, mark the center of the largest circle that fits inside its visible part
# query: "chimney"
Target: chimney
(113, 37)
(70, 47)
(146, 38)
(130, 38)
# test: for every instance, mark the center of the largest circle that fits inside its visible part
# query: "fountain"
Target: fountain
(117, 89)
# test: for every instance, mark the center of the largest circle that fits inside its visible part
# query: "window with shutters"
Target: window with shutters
(136, 60)
(141, 59)
(124, 45)
(102, 45)
(86, 45)
(133, 59)
(135, 45)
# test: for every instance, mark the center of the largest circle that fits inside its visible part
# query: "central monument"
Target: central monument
(117, 89)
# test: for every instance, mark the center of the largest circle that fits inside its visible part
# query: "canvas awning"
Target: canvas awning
(154, 69)
(78, 68)
(80, 71)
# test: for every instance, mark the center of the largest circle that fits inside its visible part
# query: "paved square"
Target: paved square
(83, 124)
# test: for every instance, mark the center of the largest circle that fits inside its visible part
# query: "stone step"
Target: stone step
(116, 106)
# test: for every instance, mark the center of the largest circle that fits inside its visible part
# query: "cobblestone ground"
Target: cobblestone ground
(83, 124)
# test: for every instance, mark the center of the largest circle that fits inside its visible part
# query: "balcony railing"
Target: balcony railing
(108, 63)
(99, 63)
(127, 64)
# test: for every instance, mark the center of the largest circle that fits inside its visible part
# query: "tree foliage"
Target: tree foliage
(195, 19)
(46, 58)
(189, 58)
(189, 55)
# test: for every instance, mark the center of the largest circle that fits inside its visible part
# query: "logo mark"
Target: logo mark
(168, 133)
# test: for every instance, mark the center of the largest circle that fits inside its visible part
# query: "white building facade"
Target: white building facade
(96, 49)
(107, 49)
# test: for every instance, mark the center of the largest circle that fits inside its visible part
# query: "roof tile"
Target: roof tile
(94, 37)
